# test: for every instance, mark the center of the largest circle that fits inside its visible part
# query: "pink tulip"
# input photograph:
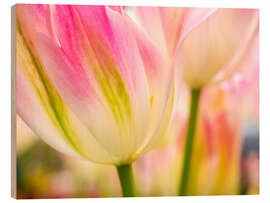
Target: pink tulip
(215, 167)
(90, 83)
(169, 25)
(214, 49)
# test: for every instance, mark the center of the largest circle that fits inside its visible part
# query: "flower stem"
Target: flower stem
(125, 175)
(190, 134)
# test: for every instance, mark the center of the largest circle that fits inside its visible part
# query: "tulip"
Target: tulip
(91, 84)
(215, 164)
(210, 53)
(168, 27)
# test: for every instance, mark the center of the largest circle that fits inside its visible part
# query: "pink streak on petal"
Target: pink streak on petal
(34, 18)
(111, 31)
(68, 77)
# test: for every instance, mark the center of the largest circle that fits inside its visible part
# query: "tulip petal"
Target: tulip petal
(103, 71)
(34, 18)
(125, 71)
(247, 58)
(219, 42)
(168, 26)
(161, 87)
(150, 19)
(86, 106)
(41, 107)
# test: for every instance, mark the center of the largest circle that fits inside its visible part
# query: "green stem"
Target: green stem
(190, 134)
(125, 175)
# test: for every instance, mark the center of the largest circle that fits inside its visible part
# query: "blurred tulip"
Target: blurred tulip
(219, 46)
(215, 166)
(210, 52)
(213, 48)
(90, 83)
(169, 25)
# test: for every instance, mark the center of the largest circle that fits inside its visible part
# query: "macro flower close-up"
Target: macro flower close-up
(136, 101)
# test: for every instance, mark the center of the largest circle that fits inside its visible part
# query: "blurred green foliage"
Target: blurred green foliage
(34, 165)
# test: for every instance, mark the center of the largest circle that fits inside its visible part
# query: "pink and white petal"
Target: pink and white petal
(173, 21)
(160, 128)
(160, 70)
(248, 50)
(215, 42)
(150, 20)
(160, 81)
(79, 98)
(247, 74)
(192, 18)
(75, 86)
(83, 45)
(33, 115)
(168, 26)
(30, 109)
(109, 30)
(33, 18)
(116, 50)
(41, 107)
(74, 45)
